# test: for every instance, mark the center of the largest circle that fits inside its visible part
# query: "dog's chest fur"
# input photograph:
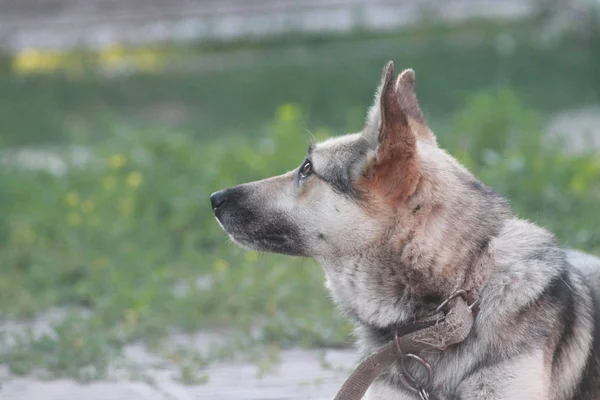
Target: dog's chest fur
(518, 321)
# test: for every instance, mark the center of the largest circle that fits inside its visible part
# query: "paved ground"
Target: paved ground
(300, 375)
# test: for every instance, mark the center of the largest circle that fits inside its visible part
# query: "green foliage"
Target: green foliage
(501, 141)
(495, 119)
(130, 236)
(72, 349)
(47, 96)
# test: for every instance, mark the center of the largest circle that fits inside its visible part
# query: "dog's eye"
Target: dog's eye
(306, 169)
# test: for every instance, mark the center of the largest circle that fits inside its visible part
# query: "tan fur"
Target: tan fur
(398, 225)
(394, 173)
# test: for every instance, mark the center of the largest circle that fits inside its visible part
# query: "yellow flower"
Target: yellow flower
(117, 161)
(31, 60)
(125, 206)
(591, 168)
(72, 199)
(578, 184)
(74, 219)
(88, 206)
(288, 112)
(251, 256)
(220, 265)
(25, 61)
(146, 60)
(109, 182)
(112, 55)
(134, 179)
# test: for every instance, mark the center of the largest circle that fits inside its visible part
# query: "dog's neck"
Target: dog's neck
(376, 319)
(380, 293)
(388, 285)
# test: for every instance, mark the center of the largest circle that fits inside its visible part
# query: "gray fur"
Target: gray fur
(390, 256)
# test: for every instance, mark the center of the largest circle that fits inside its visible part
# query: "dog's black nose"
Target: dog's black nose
(218, 198)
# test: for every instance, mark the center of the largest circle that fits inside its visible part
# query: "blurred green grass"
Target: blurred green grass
(130, 237)
(212, 90)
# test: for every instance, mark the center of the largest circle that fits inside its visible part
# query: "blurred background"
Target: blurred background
(118, 118)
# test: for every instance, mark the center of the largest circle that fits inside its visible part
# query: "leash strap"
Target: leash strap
(439, 334)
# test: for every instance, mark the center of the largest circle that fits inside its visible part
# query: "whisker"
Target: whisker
(313, 140)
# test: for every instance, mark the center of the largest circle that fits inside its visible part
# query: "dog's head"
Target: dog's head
(344, 190)
(383, 201)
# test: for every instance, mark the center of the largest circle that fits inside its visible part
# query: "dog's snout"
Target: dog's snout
(217, 199)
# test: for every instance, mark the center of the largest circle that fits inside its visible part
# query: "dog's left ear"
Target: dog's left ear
(407, 99)
(394, 172)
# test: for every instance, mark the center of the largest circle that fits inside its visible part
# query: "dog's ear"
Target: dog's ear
(407, 98)
(394, 171)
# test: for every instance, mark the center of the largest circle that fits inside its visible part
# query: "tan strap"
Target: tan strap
(450, 330)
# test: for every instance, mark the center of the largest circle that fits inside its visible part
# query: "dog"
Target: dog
(398, 226)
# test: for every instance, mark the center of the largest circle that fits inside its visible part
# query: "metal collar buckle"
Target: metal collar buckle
(409, 381)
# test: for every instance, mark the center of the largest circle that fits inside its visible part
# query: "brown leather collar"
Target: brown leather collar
(434, 333)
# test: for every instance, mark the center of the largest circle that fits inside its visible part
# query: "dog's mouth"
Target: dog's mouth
(264, 241)
(253, 229)
(269, 243)
(276, 240)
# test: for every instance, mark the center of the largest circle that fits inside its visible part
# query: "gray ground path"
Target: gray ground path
(300, 375)
(143, 374)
